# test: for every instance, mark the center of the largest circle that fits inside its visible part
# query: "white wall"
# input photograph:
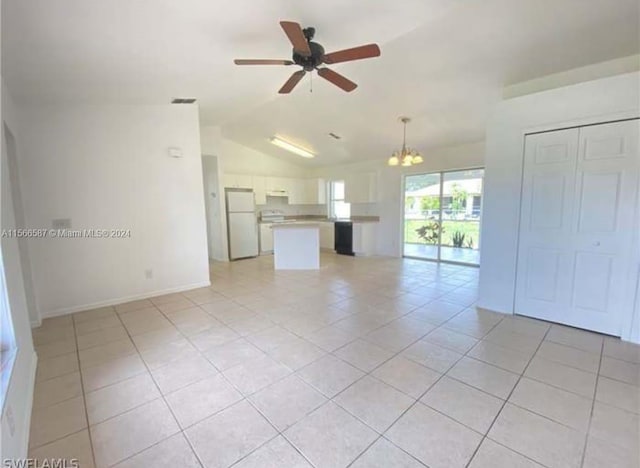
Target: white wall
(596, 71)
(234, 158)
(16, 413)
(585, 103)
(107, 167)
(390, 184)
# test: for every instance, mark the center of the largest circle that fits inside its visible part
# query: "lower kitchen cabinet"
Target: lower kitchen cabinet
(326, 236)
(364, 238)
(266, 239)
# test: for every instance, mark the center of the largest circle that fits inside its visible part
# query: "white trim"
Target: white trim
(121, 300)
(24, 437)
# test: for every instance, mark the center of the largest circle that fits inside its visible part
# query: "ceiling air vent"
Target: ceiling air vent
(183, 100)
(335, 136)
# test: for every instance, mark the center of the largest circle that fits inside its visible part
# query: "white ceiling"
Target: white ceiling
(444, 62)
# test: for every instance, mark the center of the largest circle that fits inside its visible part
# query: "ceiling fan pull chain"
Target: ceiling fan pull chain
(311, 82)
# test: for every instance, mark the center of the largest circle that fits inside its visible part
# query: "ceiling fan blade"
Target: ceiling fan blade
(292, 82)
(356, 53)
(337, 79)
(262, 62)
(296, 37)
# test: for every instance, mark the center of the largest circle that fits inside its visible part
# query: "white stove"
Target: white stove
(272, 216)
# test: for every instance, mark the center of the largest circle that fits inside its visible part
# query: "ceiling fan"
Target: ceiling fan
(310, 56)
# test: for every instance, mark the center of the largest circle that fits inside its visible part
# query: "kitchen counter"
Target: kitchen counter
(296, 245)
(302, 219)
(294, 224)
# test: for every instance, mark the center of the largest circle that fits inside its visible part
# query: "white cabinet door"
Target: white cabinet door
(266, 238)
(297, 192)
(244, 181)
(327, 236)
(364, 238)
(277, 184)
(259, 184)
(228, 180)
(236, 181)
(316, 191)
(578, 220)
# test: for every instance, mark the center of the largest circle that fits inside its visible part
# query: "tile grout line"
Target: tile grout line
(593, 404)
(225, 324)
(505, 401)
(417, 400)
(84, 399)
(332, 399)
(162, 396)
(366, 373)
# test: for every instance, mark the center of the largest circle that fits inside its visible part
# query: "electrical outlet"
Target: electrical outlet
(148, 274)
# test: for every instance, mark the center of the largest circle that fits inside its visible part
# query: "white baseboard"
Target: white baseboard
(121, 300)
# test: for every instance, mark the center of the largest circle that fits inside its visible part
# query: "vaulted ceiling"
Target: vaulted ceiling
(444, 62)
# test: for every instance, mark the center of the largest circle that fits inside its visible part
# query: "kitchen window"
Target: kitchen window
(338, 208)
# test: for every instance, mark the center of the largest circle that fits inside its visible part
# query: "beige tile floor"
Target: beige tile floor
(369, 362)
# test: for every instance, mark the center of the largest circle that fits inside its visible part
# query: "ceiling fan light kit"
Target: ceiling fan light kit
(310, 56)
(406, 157)
(291, 147)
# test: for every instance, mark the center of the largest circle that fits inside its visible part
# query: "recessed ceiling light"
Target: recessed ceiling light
(291, 147)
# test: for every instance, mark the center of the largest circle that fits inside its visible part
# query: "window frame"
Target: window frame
(332, 199)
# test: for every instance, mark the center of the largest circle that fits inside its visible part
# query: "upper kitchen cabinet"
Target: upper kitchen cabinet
(297, 192)
(316, 191)
(277, 185)
(360, 188)
(237, 181)
(259, 185)
(307, 192)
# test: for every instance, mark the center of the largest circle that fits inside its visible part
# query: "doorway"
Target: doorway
(442, 213)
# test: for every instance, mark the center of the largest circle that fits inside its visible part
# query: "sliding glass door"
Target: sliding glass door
(442, 216)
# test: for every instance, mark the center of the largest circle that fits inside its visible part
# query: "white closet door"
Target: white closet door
(578, 223)
(545, 257)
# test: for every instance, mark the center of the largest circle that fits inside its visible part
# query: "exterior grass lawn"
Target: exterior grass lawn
(468, 228)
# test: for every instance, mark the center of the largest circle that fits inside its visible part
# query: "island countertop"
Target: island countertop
(295, 225)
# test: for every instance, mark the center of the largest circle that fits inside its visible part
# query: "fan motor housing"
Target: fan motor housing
(314, 60)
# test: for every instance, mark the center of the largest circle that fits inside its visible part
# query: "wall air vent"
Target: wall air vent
(183, 100)
(335, 136)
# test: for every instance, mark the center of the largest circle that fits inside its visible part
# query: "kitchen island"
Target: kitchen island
(296, 246)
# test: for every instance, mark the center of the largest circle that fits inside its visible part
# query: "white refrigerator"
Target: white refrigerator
(242, 225)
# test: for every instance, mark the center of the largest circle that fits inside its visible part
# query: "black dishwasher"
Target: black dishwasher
(343, 238)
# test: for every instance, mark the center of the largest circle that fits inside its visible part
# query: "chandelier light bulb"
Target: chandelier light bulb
(407, 156)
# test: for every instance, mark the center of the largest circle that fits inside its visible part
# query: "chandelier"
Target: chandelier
(406, 156)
